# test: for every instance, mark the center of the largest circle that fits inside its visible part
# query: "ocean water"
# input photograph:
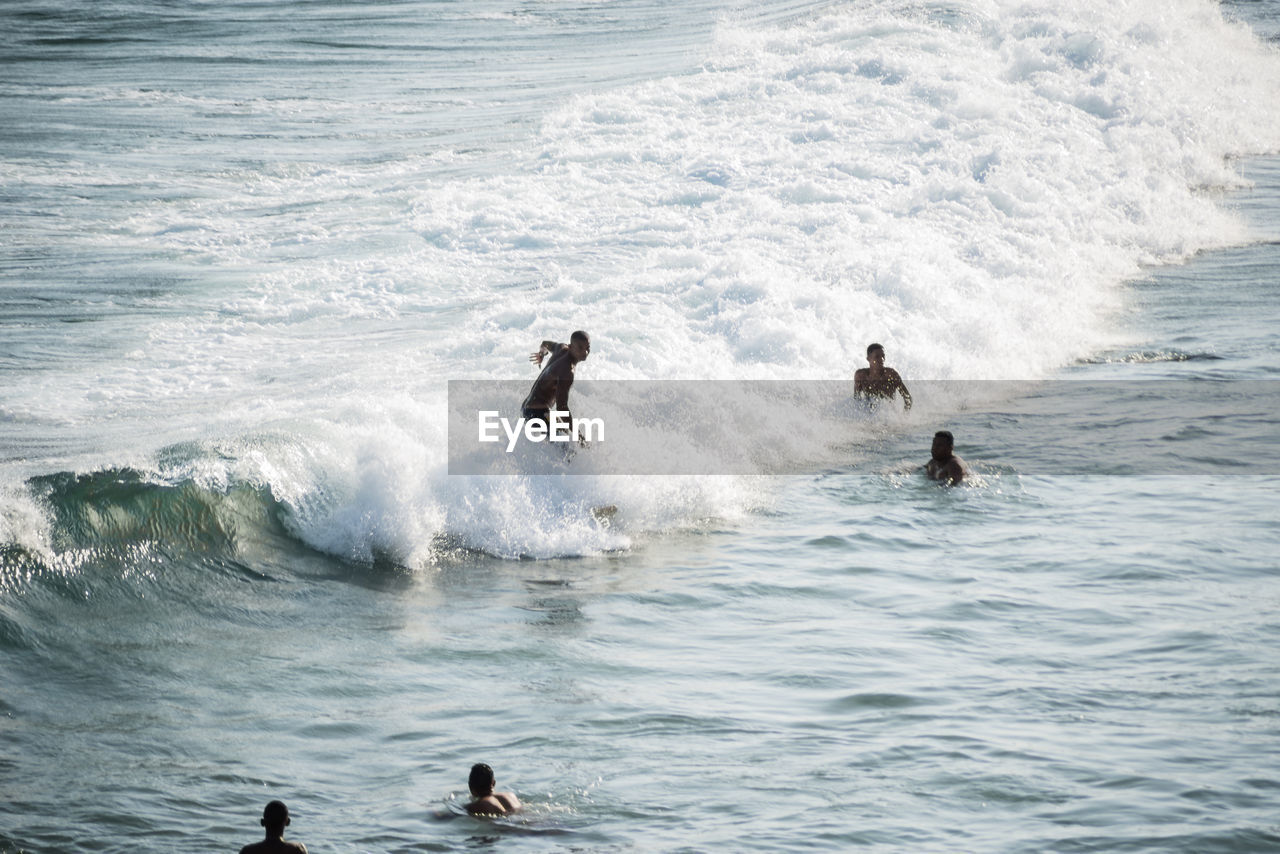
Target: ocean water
(246, 246)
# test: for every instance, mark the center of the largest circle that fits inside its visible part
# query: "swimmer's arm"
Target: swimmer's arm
(510, 801)
(859, 380)
(543, 349)
(902, 390)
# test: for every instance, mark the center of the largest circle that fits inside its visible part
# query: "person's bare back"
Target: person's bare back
(275, 818)
(485, 801)
(499, 803)
(274, 846)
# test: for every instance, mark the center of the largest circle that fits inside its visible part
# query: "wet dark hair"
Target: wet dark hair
(276, 814)
(873, 347)
(579, 335)
(945, 434)
(481, 780)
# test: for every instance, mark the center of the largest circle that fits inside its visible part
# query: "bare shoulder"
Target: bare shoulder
(499, 803)
(275, 846)
(486, 806)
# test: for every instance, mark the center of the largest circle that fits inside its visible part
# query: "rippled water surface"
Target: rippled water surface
(247, 244)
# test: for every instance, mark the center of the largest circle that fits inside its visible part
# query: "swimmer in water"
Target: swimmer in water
(944, 465)
(485, 801)
(275, 818)
(877, 382)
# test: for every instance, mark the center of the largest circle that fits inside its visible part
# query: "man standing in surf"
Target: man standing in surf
(551, 388)
(877, 382)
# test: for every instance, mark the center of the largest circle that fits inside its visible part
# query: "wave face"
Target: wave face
(123, 525)
(969, 183)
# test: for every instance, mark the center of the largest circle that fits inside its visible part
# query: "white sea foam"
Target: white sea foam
(969, 184)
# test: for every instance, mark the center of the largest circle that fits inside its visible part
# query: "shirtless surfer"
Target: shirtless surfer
(551, 388)
(485, 801)
(878, 382)
(943, 464)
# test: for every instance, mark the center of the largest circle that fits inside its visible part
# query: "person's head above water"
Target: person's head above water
(943, 444)
(579, 345)
(275, 817)
(482, 781)
(875, 355)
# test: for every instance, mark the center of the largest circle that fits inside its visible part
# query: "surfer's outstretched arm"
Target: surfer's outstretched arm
(543, 349)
